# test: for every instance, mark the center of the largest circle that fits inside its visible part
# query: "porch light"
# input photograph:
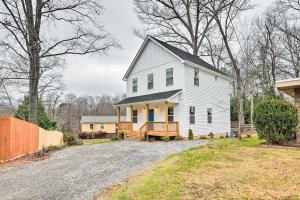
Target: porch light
(157, 108)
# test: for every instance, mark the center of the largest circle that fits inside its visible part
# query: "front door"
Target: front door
(151, 118)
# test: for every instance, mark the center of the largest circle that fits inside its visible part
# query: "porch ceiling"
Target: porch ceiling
(288, 86)
(149, 98)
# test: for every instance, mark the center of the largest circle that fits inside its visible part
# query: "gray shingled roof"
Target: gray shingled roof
(101, 119)
(149, 97)
(187, 56)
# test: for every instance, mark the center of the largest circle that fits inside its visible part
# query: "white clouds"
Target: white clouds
(94, 74)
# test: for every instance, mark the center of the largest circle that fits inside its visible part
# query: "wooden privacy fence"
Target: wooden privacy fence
(50, 138)
(18, 138)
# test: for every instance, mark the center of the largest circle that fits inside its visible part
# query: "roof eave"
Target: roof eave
(186, 62)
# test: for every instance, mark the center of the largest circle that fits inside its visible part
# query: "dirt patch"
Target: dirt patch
(41, 155)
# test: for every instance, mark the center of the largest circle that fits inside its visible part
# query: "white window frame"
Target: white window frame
(169, 76)
(209, 115)
(135, 117)
(150, 82)
(91, 126)
(196, 77)
(134, 85)
(171, 114)
(192, 114)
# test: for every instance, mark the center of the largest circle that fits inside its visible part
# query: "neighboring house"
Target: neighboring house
(99, 123)
(170, 91)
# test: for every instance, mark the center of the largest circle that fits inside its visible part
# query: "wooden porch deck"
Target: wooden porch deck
(159, 129)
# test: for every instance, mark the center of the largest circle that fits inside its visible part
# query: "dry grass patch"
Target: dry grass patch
(226, 169)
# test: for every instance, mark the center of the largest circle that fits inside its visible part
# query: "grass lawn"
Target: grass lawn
(225, 169)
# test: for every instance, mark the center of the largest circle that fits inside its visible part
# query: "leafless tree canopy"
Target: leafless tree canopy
(67, 111)
(182, 22)
(30, 35)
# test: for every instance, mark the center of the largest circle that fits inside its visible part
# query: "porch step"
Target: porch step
(133, 135)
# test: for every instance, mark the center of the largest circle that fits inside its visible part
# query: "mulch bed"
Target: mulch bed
(282, 146)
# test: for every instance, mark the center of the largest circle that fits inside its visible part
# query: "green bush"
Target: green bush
(191, 135)
(211, 135)
(69, 139)
(226, 135)
(178, 138)
(275, 120)
(121, 135)
(165, 138)
(222, 136)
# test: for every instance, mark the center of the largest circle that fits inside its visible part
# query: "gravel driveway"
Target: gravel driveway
(81, 172)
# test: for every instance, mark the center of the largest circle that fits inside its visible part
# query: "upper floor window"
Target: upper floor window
(209, 115)
(134, 85)
(150, 81)
(196, 77)
(171, 114)
(192, 114)
(169, 76)
(135, 116)
(91, 126)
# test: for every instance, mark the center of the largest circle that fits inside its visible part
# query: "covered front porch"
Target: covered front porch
(291, 87)
(153, 117)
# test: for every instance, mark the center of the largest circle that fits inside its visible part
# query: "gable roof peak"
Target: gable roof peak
(179, 53)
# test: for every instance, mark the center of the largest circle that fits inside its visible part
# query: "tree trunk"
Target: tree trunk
(33, 27)
(33, 86)
(238, 78)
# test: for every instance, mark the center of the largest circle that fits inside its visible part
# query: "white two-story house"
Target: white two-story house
(170, 91)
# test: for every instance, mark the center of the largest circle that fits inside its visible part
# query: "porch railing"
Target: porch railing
(163, 127)
(124, 126)
(159, 127)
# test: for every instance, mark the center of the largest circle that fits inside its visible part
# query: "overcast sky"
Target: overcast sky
(96, 75)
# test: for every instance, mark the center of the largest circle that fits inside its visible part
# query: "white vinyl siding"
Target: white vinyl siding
(211, 93)
(155, 60)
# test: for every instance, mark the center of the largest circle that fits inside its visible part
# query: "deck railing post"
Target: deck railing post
(131, 119)
(166, 118)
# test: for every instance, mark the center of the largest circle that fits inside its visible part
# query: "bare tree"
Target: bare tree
(30, 32)
(184, 23)
(225, 13)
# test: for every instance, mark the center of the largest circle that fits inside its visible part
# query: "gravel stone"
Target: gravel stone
(84, 171)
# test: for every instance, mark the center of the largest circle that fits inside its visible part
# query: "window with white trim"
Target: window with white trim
(192, 114)
(209, 115)
(150, 81)
(196, 77)
(135, 116)
(134, 85)
(171, 114)
(91, 126)
(101, 126)
(169, 77)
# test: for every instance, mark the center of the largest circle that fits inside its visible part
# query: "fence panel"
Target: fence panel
(17, 138)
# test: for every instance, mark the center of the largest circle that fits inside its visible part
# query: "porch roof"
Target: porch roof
(288, 86)
(149, 97)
